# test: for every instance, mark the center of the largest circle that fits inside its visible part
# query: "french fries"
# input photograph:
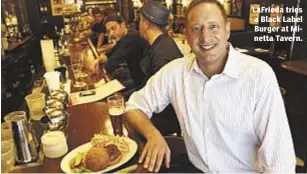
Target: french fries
(100, 140)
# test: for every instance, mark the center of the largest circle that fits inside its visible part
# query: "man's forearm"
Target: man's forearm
(141, 123)
(105, 49)
(100, 40)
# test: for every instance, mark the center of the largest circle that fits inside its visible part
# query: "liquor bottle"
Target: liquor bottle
(4, 40)
(14, 20)
(41, 8)
(7, 18)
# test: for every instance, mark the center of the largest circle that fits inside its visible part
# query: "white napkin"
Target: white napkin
(48, 54)
(53, 80)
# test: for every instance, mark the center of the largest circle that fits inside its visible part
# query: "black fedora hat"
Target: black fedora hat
(155, 12)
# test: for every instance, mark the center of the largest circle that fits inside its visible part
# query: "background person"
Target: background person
(98, 37)
(163, 49)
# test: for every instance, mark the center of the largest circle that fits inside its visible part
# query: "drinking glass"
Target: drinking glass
(82, 57)
(7, 156)
(116, 112)
(36, 104)
(7, 135)
(6, 132)
(77, 70)
(13, 115)
(6, 126)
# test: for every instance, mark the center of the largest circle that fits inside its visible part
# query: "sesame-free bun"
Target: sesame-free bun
(97, 158)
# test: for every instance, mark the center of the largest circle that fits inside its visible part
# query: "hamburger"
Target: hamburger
(99, 158)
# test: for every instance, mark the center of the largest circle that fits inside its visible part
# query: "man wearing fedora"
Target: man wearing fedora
(163, 49)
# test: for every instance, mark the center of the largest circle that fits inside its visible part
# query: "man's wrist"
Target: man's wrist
(152, 133)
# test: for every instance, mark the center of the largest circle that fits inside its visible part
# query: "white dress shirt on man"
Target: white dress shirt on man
(233, 122)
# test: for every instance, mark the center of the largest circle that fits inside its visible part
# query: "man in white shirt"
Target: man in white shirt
(228, 104)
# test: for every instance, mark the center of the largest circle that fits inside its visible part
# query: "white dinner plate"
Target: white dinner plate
(65, 163)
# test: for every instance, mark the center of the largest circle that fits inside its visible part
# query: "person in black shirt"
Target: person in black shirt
(153, 20)
(163, 49)
(98, 37)
(130, 47)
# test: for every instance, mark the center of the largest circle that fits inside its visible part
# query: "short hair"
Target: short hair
(97, 11)
(89, 8)
(196, 3)
(114, 17)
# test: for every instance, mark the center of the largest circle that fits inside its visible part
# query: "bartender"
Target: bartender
(99, 37)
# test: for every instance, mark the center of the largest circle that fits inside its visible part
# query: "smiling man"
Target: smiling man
(228, 104)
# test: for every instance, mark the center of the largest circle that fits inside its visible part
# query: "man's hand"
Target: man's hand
(155, 150)
(102, 59)
(106, 48)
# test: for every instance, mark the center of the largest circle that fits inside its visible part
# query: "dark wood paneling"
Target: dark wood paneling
(34, 16)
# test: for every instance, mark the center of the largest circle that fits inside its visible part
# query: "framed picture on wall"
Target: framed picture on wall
(227, 7)
(236, 8)
(275, 15)
(253, 15)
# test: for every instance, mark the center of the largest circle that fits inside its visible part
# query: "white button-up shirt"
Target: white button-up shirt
(233, 122)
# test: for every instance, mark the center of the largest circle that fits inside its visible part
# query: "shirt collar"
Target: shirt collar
(158, 39)
(231, 68)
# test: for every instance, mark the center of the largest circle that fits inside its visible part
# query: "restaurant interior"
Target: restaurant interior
(34, 29)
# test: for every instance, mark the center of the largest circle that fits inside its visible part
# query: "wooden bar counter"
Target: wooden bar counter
(84, 121)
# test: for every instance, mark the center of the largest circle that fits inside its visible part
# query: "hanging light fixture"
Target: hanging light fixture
(168, 3)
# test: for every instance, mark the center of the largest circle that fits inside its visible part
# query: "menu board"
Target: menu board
(99, 93)
(254, 16)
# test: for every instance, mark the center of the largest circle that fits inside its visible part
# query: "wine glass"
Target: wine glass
(82, 56)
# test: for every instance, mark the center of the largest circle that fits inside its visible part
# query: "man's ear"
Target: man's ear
(228, 28)
(146, 23)
(123, 24)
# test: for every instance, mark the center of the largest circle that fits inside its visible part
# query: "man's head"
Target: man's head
(153, 15)
(98, 15)
(90, 11)
(116, 27)
(207, 30)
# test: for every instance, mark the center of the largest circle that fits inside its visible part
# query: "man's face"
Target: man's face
(115, 30)
(207, 32)
(143, 26)
(98, 17)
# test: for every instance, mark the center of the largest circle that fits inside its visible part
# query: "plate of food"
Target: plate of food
(102, 154)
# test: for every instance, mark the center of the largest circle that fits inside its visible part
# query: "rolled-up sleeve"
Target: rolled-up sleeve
(155, 95)
(276, 151)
